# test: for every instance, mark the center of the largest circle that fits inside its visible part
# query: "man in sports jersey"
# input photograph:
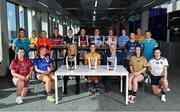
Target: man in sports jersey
(148, 44)
(21, 69)
(92, 80)
(158, 67)
(139, 37)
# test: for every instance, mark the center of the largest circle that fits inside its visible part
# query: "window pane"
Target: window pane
(11, 16)
(21, 17)
(45, 22)
(0, 41)
(29, 14)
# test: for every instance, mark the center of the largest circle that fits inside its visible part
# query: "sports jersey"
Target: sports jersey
(21, 67)
(44, 42)
(82, 40)
(157, 66)
(42, 63)
(148, 45)
(130, 46)
(33, 40)
(69, 39)
(57, 40)
(122, 40)
(139, 38)
(22, 43)
(138, 63)
(112, 39)
(98, 40)
(88, 55)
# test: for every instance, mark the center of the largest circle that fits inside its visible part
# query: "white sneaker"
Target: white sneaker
(19, 100)
(132, 100)
(168, 89)
(163, 98)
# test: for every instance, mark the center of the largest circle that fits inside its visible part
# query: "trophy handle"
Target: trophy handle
(67, 62)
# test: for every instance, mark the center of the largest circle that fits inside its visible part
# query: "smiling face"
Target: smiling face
(123, 32)
(132, 36)
(56, 32)
(157, 54)
(112, 48)
(21, 53)
(92, 48)
(139, 31)
(42, 51)
(83, 31)
(71, 49)
(97, 32)
(43, 34)
(148, 34)
(110, 32)
(138, 51)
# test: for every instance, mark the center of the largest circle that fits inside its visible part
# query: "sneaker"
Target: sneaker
(163, 98)
(97, 93)
(129, 98)
(132, 100)
(90, 93)
(50, 98)
(168, 89)
(19, 100)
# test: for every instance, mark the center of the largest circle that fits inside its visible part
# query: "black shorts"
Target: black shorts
(155, 80)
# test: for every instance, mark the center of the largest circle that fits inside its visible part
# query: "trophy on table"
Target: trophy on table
(71, 62)
(111, 63)
(92, 63)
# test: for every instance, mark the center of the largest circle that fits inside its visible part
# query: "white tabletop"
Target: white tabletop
(101, 70)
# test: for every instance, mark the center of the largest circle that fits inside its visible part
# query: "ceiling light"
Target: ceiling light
(42, 4)
(95, 5)
(94, 12)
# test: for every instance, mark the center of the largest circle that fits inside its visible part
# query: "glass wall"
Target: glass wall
(29, 14)
(21, 17)
(11, 16)
(44, 22)
(0, 41)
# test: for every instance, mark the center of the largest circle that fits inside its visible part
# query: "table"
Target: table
(83, 70)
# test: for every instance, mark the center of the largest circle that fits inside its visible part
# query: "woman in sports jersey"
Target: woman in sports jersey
(43, 69)
(138, 65)
(83, 39)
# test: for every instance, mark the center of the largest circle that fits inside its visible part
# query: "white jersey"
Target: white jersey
(157, 66)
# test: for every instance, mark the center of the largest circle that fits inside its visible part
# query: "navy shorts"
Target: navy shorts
(155, 80)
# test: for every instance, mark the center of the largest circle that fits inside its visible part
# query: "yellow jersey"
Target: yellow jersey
(139, 38)
(95, 55)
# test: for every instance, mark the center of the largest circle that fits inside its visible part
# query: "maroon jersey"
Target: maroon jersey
(83, 40)
(21, 67)
(57, 40)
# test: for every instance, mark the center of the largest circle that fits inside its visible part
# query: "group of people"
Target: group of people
(139, 53)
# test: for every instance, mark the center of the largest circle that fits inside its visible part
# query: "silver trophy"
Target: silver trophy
(71, 62)
(92, 62)
(111, 63)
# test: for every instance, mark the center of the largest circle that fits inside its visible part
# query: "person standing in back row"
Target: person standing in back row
(148, 44)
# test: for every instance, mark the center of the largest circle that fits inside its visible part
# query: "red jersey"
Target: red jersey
(44, 42)
(57, 40)
(21, 67)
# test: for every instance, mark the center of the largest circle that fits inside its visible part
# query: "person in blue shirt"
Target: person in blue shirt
(120, 61)
(121, 40)
(21, 42)
(43, 69)
(130, 46)
(148, 44)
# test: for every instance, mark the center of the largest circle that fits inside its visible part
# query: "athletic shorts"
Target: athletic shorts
(26, 83)
(155, 80)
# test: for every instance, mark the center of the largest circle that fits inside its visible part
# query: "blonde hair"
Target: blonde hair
(75, 50)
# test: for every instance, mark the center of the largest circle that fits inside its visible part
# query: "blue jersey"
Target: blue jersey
(42, 63)
(148, 46)
(22, 43)
(130, 46)
(122, 40)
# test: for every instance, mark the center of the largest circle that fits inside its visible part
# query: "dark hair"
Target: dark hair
(123, 29)
(92, 44)
(70, 29)
(156, 48)
(148, 31)
(141, 54)
(21, 48)
(56, 29)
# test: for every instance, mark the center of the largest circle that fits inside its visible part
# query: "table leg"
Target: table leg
(56, 88)
(121, 85)
(126, 89)
(62, 84)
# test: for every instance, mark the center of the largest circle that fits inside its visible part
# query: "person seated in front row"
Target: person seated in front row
(138, 64)
(72, 52)
(21, 69)
(43, 69)
(92, 80)
(120, 61)
(158, 68)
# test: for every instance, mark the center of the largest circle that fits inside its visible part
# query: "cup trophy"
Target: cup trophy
(71, 62)
(111, 63)
(92, 61)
